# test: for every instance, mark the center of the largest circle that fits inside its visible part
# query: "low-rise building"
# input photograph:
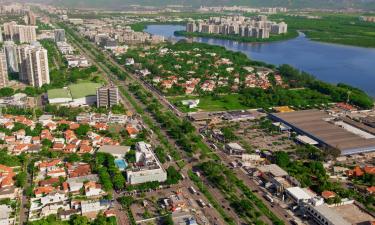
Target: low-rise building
(234, 149)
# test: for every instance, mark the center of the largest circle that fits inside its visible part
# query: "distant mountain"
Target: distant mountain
(196, 3)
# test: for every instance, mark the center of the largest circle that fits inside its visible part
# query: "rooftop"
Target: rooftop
(58, 93)
(316, 124)
(299, 193)
(273, 169)
(83, 89)
(114, 149)
(353, 214)
(331, 215)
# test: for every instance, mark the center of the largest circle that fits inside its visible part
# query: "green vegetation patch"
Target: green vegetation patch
(59, 93)
(83, 89)
(211, 103)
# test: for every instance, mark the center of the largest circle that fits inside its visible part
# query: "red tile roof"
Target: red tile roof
(6, 176)
(328, 194)
(43, 190)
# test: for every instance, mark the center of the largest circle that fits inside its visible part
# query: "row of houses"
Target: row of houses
(19, 140)
(66, 189)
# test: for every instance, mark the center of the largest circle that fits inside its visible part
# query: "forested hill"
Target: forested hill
(366, 4)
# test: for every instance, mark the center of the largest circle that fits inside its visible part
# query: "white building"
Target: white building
(4, 214)
(19, 33)
(3, 70)
(299, 195)
(47, 205)
(33, 64)
(147, 167)
(11, 54)
(324, 215)
(234, 149)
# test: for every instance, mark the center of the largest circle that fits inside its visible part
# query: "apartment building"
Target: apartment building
(147, 167)
(11, 56)
(59, 35)
(33, 64)
(19, 33)
(30, 18)
(257, 27)
(107, 96)
(3, 70)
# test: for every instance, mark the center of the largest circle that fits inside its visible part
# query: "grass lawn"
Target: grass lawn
(81, 90)
(58, 93)
(208, 103)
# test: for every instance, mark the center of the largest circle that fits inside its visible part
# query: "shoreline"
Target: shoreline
(181, 33)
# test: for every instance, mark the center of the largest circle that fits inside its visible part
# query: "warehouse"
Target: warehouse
(328, 131)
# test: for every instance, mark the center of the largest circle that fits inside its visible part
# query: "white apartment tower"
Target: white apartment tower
(11, 55)
(107, 96)
(59, 35)
(1, 35)
(19, 33)
(3, 70)
(33, 65)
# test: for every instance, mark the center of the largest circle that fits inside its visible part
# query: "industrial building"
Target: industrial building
(328, 131)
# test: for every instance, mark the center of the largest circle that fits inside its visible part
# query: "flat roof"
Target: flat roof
(314, 124)
(58, 93)
(273, 169)
(298, 193)
(81, 90)
(114, 149)
(331, 215)
(306, 140)
(353, 214)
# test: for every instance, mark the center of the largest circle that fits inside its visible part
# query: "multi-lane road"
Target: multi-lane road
(280, 212)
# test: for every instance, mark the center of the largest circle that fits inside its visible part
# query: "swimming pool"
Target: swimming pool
(121, 164)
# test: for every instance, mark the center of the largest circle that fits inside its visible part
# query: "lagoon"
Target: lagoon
(328, 62)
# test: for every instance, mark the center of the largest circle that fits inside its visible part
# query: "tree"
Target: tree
(173, 176)
(47, 143)
(167, 220)
(6, 92)
(105, 179)
(79, 220)
(20, 179)
(126, 201)
(63, 127)
(282, 159)
(71, 158)
(118, 181)
(82, 130)
(228, 134)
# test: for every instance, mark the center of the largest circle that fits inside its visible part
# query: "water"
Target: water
(121, 164)
(328, 62)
